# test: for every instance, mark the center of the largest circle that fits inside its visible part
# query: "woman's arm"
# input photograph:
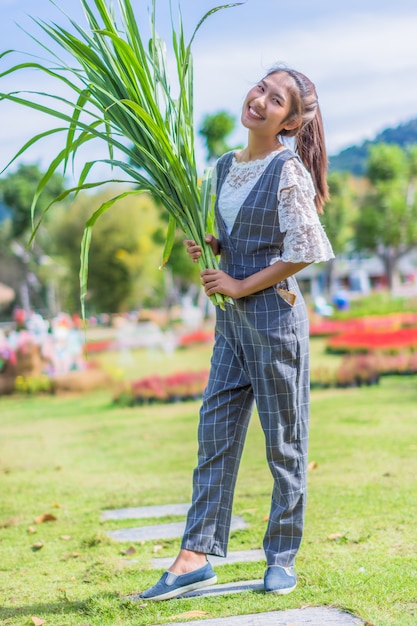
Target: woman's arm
(217, 281)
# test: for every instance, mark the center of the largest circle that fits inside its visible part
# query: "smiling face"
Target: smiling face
(268, 106)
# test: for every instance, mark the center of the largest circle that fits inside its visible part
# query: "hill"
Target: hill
(353, 159)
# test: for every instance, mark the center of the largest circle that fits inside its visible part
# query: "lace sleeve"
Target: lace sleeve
(305, 240)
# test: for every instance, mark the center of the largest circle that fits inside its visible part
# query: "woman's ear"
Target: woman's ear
(292, 123)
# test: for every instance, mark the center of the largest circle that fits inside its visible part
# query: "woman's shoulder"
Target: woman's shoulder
(294, 172)
(226, 157)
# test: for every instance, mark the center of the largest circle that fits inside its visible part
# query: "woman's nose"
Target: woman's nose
(260, 100)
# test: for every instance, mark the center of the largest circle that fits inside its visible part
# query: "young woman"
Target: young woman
(268, 200)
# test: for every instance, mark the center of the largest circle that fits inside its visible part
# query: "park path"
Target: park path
(309, 616)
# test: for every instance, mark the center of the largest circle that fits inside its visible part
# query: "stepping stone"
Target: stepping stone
(162, 531)
(216, 590)
(226, 588)
(311, 616)
(142, 512)
(240, 556)
(315, 616)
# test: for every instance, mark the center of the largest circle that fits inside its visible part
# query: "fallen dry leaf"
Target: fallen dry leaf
(129, 551)
(45, 517)
(312, 465)
(12, 521)
(71, 555)
(266, 518)
(189, 614)
(32, 530)
(65, 537)
(157, 548)
(334, 536)
(37, 546)
(38, 621)
(56, 505)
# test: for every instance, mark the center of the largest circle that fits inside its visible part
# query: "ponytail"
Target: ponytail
(309, 133)
(311, 149)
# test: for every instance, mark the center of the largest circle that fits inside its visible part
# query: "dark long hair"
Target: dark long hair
(309, 134)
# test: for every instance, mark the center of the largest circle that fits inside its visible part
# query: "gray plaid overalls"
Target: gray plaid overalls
(260, 355)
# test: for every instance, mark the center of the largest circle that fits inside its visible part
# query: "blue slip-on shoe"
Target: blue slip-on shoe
(279, 580)
(172, 585)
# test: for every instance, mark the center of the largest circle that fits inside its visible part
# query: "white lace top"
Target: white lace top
(305, 239)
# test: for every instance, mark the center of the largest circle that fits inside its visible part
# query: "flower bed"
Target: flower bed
(173, 388)
(198, 336)
(368, 341)
(94, 347)
(33, 384)
(364, 369)
(354, 371)
(391, 322)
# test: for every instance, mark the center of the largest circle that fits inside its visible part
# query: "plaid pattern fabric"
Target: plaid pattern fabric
(260, 356)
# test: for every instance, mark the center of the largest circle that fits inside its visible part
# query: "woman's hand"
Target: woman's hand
(194, 251)
(216, 281)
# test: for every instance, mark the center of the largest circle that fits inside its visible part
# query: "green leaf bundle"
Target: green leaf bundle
(122, 95)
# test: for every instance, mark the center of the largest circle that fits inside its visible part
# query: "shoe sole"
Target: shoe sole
(281, 592)
(181, 590)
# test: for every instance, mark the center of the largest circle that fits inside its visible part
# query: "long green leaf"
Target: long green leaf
(170, 240)
(123, 97)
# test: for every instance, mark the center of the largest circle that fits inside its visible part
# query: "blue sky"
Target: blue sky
(361, 54)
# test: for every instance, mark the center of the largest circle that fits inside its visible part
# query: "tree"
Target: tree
(123, 272)
(27, 270)
(338, 218)
(215, 129)
(387, 222)
(18, 189)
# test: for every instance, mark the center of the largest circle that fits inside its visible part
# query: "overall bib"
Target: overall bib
(260, 356)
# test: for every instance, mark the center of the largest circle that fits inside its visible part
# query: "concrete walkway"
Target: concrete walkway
(162, 531)
(240, 556)
(311, 616)
(143, 512)
(316, 616)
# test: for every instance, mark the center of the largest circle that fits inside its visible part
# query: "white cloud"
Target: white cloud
(364, 64)
(365, 69)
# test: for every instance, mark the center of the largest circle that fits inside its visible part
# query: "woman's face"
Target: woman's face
(268, 105)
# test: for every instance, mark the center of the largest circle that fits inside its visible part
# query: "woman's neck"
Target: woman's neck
(255, 151)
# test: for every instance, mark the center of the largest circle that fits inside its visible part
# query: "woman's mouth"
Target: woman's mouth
(253, 113)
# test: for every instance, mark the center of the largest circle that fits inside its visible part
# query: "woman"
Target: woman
(267, 202)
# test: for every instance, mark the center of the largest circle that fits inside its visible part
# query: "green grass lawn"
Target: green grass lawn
(75, 456)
